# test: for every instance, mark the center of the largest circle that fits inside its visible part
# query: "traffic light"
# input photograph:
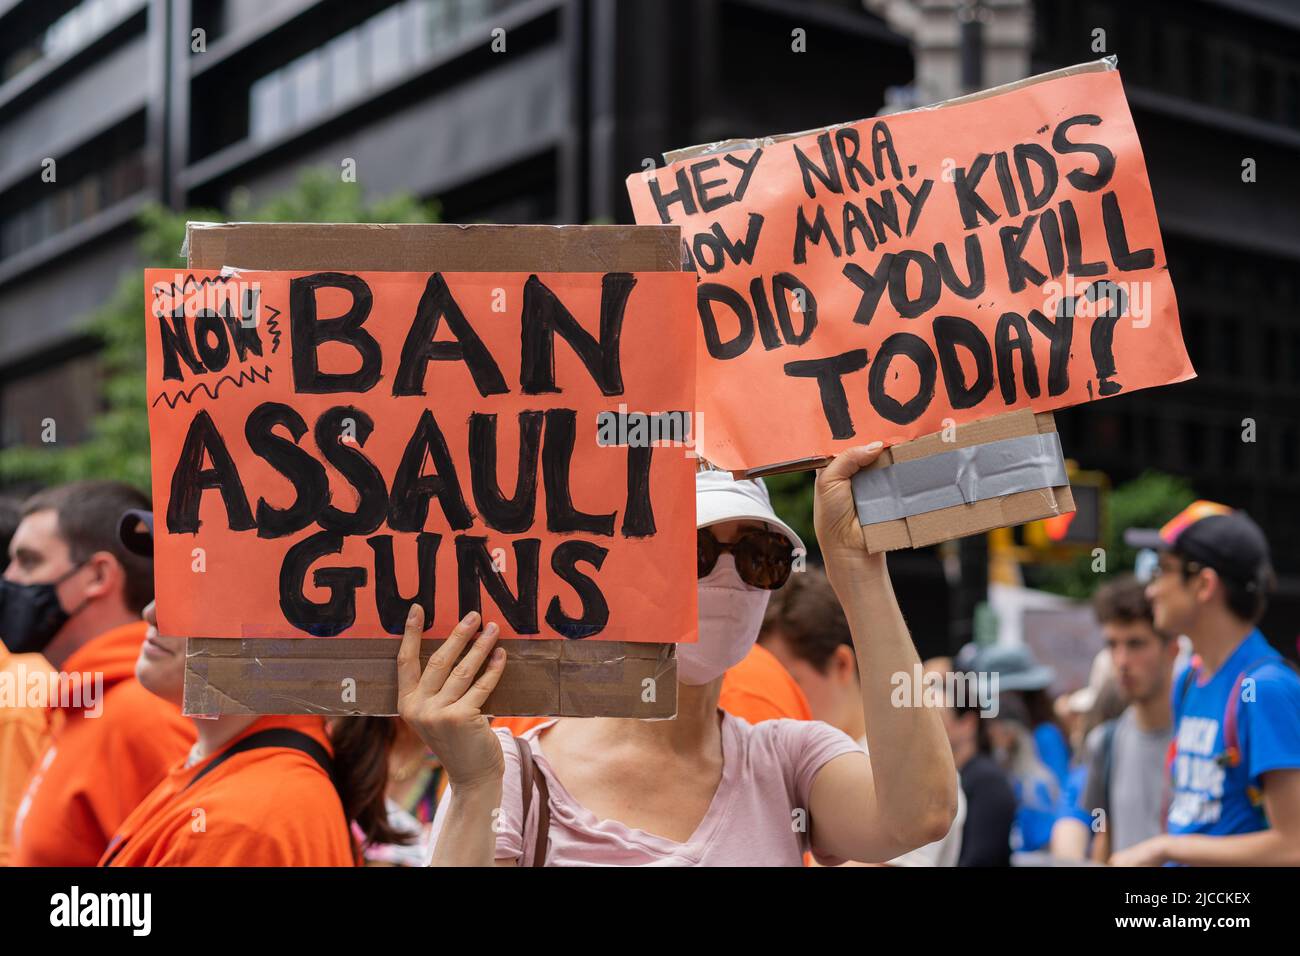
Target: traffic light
(1083, 526)
(1061, 537)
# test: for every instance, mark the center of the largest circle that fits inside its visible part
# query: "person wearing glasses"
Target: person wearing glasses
(706, 788)
(1235, 759)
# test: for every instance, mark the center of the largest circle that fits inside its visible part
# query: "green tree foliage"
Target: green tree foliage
(792, 499)
(118, 446)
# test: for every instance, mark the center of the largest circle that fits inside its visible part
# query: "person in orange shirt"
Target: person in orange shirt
(807, 636)
(74, 593)
(24, 723)
(24, 735)
(760, 688)
(257, 790)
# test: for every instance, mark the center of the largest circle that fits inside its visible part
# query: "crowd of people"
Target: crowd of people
(788, 748)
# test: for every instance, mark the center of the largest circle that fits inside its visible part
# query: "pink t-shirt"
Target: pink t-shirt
(767, 773)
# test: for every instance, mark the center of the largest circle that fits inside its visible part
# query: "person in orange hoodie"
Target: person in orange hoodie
(24, 735)
(74, 593)
(24, 723)
(256, 790)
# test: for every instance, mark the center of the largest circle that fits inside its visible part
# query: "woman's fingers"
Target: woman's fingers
(463, 674)
(408, 655)
(449, 677)
(445, 657)
(482, 688)
(850, 461)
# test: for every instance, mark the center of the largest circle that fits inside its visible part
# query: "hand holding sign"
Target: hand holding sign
(443, 703)
(835, 517)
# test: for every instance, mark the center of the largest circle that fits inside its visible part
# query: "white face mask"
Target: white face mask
(731, 613)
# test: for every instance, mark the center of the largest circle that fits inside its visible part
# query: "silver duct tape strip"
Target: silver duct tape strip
(960, 476)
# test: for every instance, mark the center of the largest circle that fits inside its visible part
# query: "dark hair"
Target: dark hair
(89, 513)
(361, 747)
(10, 515)
(1246, 601)
(1038, 709)
(807, 614)
(971, 679)
(1124, 601)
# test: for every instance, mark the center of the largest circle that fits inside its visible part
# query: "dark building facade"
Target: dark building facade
(504, 110)
(1215, 92)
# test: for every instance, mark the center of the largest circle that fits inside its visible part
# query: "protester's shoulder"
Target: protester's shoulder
(756, 705)
(129, 708)
(1275, 670)
(1047, 733)
(1096, 738)
(131, 694)
(1276, 685)
(791, 735)
(25, 664)
(759, 688)
(268, 782)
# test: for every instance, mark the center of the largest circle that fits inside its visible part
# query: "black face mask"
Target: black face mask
(30, 614)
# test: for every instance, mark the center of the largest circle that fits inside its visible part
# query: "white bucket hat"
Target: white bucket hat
(719, 497)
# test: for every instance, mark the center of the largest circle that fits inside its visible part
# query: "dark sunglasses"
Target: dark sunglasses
(763, 558)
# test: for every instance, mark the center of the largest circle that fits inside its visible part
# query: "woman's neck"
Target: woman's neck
(1215, 638)
(215, 733)
(695, 727)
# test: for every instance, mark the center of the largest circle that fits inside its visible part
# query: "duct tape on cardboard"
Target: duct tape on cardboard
(960, 476)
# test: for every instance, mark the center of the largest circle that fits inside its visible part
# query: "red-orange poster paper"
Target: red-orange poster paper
(330, 447)
(881, 279)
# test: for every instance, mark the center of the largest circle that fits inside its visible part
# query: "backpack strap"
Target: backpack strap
(1184, 685)
(271, 737)
(1231, 746)
(1107, 757)
(531, 778)
(1232, 755)
(1192, 671)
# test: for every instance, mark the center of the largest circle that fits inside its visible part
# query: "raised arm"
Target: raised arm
(906, 795)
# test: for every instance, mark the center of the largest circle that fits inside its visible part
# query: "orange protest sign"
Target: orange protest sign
(330, 447)
(881, 279)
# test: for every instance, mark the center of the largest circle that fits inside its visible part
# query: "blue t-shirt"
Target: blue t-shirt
(1209, 796)
(1071, 804)
(1053, 751)
(1036, 814)
(1039, 804)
